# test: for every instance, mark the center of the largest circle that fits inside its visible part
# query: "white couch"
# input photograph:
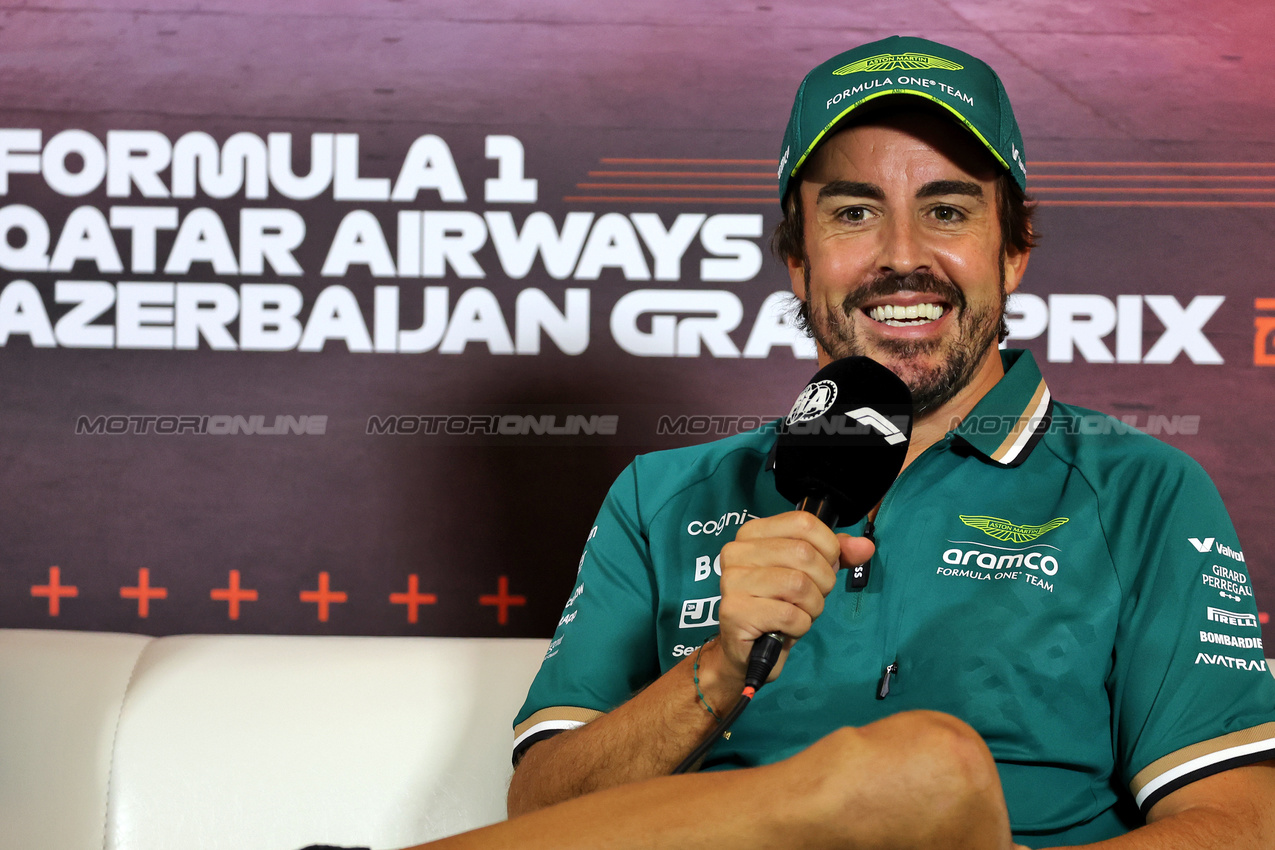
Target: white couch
(200, 742)
(203, 742)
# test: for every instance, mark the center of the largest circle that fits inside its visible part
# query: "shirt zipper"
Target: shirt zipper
(883, 690)
(890, 668)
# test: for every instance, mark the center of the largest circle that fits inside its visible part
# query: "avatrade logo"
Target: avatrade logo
(1229, 661)
(699, 612)
(1003, 529)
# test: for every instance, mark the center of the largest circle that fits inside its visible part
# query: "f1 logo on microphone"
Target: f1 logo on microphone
(699, 612)
(868, 416)
(1264, 338)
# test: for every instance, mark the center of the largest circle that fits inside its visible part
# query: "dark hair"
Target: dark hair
(1014, 210)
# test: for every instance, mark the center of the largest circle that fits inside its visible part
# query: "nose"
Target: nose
(902, 249)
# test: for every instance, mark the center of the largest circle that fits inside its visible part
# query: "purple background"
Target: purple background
(1108, 87)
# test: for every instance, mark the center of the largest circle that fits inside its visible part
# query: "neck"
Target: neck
(932, 425)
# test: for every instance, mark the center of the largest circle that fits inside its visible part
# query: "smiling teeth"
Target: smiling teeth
(899, 316)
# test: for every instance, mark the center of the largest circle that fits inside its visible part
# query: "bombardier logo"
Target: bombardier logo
(1231, 640)
(897, 61)
(1003, 529)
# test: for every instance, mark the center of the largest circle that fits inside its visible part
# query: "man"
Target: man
(1034, 597)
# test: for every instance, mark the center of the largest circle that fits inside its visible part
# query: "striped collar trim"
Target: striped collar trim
(1010, 420)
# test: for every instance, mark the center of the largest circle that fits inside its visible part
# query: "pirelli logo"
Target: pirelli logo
(1230, 618)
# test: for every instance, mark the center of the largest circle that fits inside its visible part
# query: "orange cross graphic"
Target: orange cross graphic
(413, 599)
(233, 594)
(143, 592)
(323, 596)
(55, 590)
(502, 600)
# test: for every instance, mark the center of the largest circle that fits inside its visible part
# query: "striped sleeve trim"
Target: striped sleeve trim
(548, 722)
(1028, 428)
(1178, 769)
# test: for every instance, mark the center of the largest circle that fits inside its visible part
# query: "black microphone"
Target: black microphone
(841, 448)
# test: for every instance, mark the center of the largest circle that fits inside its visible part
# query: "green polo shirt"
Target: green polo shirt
(1070, 587)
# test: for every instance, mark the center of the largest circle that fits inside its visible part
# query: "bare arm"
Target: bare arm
(774, 578)
(644, 738)
(1232, 810)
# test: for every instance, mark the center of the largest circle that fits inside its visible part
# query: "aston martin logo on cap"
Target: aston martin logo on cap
(1003, 529)
(897, 61)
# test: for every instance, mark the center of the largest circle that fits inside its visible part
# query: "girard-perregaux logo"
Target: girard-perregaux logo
(1003, 529)
(897, 61)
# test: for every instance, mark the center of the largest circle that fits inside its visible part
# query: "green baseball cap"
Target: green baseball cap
(900, 65)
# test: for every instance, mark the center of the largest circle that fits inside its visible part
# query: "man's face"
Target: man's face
(903, 252)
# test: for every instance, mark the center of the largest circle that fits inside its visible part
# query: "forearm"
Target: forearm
(1194, 830)
(1230, 810)
(645, 737)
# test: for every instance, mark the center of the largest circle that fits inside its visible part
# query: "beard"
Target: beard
(935, 370)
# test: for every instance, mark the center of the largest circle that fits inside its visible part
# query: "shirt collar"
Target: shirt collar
(1009, 421)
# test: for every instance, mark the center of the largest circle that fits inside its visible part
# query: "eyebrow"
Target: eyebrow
(935, 188)
(850, 188)
(950, 187)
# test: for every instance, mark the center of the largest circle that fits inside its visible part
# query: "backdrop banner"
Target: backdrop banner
(340, 318)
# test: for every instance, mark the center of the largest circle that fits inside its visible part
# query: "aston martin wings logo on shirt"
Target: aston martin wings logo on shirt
(1003, 529)
(897, 61)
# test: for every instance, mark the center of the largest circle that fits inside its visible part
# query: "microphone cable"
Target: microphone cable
(761, 661)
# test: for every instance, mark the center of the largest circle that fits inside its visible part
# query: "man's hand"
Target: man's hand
(775, 576)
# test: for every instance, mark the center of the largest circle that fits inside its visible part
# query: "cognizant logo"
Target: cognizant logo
(717, 526)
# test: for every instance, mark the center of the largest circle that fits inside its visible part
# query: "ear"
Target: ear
(1015, 268)
(797, 265)
(797, 276)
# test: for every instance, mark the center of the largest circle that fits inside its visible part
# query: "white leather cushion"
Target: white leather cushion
(273, 743)
(60, 698)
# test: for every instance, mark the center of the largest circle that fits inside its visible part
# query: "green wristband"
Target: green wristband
(698, 692)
